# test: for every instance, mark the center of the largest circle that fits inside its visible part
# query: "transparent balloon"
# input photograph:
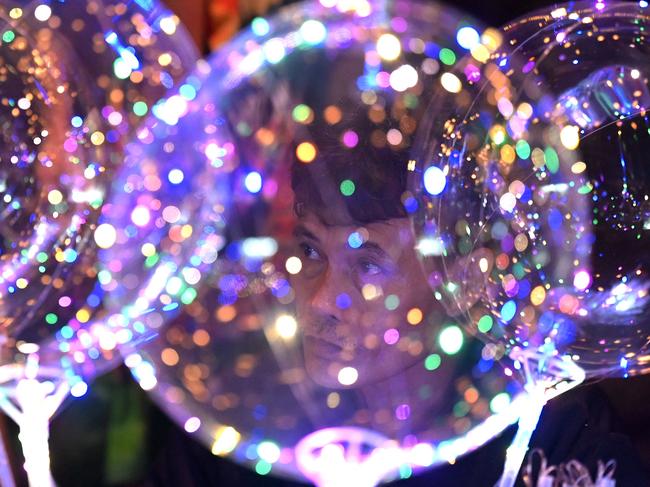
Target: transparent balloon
(596, 64)
(534, 182)
(270, 199)
(76, 79)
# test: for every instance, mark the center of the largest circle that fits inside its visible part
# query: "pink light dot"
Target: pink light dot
(383, 79)
(65, 301)
(391, 337)
(402, 412)
(70, 145)
(350, 139)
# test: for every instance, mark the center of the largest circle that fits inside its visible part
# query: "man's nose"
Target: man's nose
(330, 293)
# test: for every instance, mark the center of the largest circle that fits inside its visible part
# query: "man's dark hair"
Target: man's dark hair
(378, 172)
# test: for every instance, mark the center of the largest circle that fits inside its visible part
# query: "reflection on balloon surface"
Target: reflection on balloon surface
(273, 202)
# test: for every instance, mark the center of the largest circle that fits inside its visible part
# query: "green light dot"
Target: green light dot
(552, 160)
(347, 188)
(447, 56)
(522, 149)
(301, 113)
(485, 323)
(188, 296)
(41, 257)
(262, 467)
(8, 36)
(140, 108)
(391, 302)
(405, 471)
(51, 318)
(432, 362)
(461, 409)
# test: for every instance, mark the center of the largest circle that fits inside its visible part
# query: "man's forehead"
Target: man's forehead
(386, 232)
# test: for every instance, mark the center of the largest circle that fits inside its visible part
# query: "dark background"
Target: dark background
(115, 435)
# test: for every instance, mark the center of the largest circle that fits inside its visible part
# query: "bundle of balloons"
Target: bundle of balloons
(359, 241)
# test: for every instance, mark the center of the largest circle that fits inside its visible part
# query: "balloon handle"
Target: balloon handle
(547, 375)
(30, 403)
(334, 457)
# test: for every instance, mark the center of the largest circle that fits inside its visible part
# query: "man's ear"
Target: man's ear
(467, 280)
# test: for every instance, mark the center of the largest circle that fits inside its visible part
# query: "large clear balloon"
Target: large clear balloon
(269, 197)
(539, 184)
(76, 78)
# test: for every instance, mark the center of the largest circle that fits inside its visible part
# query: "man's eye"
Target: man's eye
(309, 252)
(370, 268)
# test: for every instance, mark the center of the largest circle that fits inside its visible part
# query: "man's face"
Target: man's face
(354, 292)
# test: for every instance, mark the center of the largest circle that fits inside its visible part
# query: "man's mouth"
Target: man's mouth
(322, 348)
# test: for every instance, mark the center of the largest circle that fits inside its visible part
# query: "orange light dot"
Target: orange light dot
(226, 313)
(201, 338)
(414, 316)
(169, 357)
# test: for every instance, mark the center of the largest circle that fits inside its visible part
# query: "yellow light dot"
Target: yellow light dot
(97, 138)
(148, 249)
(498, 134)
(83, 315)
(293, 265)
(492, 39)
(451, 83)
(508, 154)
(480, 53)
(21, 283)
(388, 47)
(186, 231)
(306, 152)
(15, 13)
(225, 440)
(105, 236)
(333, 400)
(165, 59)
(168, 24)
(370, 292)
(414, 316)
(55, 197)
(570, 137)
(578, 167)
(538, 295)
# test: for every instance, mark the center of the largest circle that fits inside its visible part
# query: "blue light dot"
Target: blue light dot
(253, 182)
(355, 240)
(434, 180)
(343, 301)
(187, 91)
(508, 311)
(77, 121)
(67, 332)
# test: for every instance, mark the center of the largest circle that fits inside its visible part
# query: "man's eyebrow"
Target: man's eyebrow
(301, 231)
(375, 248)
